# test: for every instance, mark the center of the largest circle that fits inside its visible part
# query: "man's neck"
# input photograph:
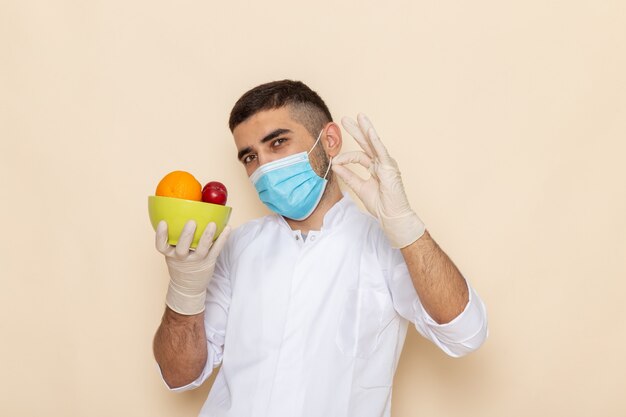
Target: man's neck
(314, 222)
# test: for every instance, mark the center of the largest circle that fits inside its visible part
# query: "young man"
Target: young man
(307, 309)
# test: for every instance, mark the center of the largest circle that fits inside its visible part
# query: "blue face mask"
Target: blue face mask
(289, 186)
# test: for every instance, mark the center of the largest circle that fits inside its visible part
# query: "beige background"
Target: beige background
(508, 120)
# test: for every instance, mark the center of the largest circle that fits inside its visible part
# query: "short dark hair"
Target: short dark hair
(305, 105)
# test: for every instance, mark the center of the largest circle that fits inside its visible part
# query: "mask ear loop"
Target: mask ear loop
(314, 145)
(316, 140)
(330, 162)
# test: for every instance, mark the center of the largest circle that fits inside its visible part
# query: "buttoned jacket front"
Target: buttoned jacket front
(315, 327)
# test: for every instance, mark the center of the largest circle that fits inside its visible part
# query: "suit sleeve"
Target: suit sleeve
(215, 316)
(464, 334)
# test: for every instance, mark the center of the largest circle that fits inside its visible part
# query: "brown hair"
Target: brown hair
(305, 105)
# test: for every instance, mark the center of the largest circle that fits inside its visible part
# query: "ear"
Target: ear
(331, 139)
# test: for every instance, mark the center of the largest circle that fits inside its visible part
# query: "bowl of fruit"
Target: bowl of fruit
(179, 197)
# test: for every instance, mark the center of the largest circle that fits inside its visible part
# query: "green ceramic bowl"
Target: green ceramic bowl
(176, 212)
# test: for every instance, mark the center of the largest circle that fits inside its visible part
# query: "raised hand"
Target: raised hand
(190, 271)
(382, 193)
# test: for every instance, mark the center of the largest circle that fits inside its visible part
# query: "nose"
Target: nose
(264, 158)
(261, 159)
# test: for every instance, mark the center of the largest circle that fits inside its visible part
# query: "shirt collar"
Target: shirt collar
(337, 213)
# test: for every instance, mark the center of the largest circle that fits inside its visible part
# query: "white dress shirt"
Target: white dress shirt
(315, 327)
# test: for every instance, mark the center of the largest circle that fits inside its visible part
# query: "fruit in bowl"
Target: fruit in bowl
(214, 192)
(178, 199)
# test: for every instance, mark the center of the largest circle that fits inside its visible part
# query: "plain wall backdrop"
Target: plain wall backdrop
(507, 119)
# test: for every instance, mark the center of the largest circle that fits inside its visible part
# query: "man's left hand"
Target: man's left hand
(383, 192)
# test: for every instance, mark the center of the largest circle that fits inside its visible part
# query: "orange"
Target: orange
(180, 184)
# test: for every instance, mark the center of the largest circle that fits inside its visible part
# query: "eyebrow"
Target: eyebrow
(273, 134)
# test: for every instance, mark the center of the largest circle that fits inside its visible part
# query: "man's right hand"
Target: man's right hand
(190, 270)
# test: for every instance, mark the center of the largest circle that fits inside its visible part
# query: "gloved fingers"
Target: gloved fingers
(365, 125)
(206, 240)
(377, 144)
(219, 243)
(372, 137)
(355, 131)
(160, 240)
(351, 179)
(364, 122)
(354, 157)
(185, 239)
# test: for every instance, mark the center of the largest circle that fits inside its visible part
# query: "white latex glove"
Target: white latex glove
(382, 193)
(190, 270)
